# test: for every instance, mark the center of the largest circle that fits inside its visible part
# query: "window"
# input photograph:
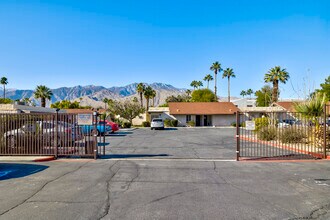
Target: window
(188, 118)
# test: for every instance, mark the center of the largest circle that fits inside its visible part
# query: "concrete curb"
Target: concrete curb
(26, 158)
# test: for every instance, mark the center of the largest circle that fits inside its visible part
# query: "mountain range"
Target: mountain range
(93, 95)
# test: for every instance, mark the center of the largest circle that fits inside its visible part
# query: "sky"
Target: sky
(115, 43)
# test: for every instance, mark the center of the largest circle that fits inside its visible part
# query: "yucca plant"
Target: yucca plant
(312, 109)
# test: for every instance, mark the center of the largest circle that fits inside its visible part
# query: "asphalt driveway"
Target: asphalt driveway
(180, 143)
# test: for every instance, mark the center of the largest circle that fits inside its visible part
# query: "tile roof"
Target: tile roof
(287, 105)
(202, 108)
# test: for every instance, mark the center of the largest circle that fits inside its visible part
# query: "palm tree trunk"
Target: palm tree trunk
(275, 91)
(228, 89)
(215, 85)
(208, 82)
(141, 99)
(43, 102)
(147, 104)
(4, 91)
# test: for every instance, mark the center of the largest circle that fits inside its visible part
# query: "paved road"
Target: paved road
(213, 143)
(108, 189)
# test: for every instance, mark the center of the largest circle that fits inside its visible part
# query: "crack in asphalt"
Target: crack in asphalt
(42, 187)
(108, 204)
(317, 213)
(171, 195)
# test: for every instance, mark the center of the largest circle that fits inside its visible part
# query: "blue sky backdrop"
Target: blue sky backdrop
(111, 43)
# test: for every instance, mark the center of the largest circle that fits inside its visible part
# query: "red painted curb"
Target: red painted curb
(44, 159)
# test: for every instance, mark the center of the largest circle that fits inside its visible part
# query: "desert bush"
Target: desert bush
(318, 133)
(233, 124)
(191, 123)
(261, 122)
(167, 122)
(126, 124)
(174, 123)
(242, 124)
(267, 133)
(292, 135)
(146, 124)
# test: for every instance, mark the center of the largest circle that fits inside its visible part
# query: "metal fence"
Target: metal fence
(49, 134)
(283, 135)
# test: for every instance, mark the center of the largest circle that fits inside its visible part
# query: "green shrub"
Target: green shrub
(233, 124)
(127, 125)
(191, 123)
(146, 124)
(167, 122)
(174, 123)
(261, 122)
(267, 133)
(292, 135)
(242, 124)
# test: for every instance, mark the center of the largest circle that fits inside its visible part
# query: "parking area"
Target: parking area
(179, 143)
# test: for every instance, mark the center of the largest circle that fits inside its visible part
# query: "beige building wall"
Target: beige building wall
(223, 120)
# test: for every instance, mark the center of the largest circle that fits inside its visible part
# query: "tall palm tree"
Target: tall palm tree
(216, 67)
(229, 73)
(140, 89)
(249, 92)
(42, 92)
(153, 95)
(276, 75)
(208, 78)
(147, 95)
(194, 84)
(243, 93)
(199, 84)
(4, 82)
(105, 100)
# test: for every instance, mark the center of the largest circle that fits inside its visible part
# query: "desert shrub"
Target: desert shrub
(233, 124)
(191, 123)
(146, 124)
(292, 135)
(242, 124)
(126, 124)
(174, 123)
(267, 133)
(167, 122)
(261, 122)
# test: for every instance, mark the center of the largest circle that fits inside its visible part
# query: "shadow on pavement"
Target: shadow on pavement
(133, 156)
(12, 170)
(100, 144)
(119, 134)
(170, 129)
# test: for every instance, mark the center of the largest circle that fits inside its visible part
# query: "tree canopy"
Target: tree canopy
(264, 96)
(203, 95)
(66, 104)
(127, 109)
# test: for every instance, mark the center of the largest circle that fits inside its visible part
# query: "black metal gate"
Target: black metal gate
(56, 134)
(282, 135)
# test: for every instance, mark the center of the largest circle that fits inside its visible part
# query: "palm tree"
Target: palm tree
(243, 93)
(216, 67)
(188, 92)
(4, 82)
(153, 95)
(105, 100)
(199, 84)
(194, 84)
(276, 75)
(147, 95)
(140, 89)
(27, 101)
(42, 92)
(249, 92)
(208, 78)
(229, 73)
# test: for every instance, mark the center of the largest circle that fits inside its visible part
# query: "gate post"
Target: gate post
(237, 135)
(56, 133)
(325, 132)
(95, 133)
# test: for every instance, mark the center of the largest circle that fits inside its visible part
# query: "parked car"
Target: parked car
(44, 130)
(157, 123)
(101, 129)
(114, 126)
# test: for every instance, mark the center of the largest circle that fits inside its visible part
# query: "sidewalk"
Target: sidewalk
(26, 158)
